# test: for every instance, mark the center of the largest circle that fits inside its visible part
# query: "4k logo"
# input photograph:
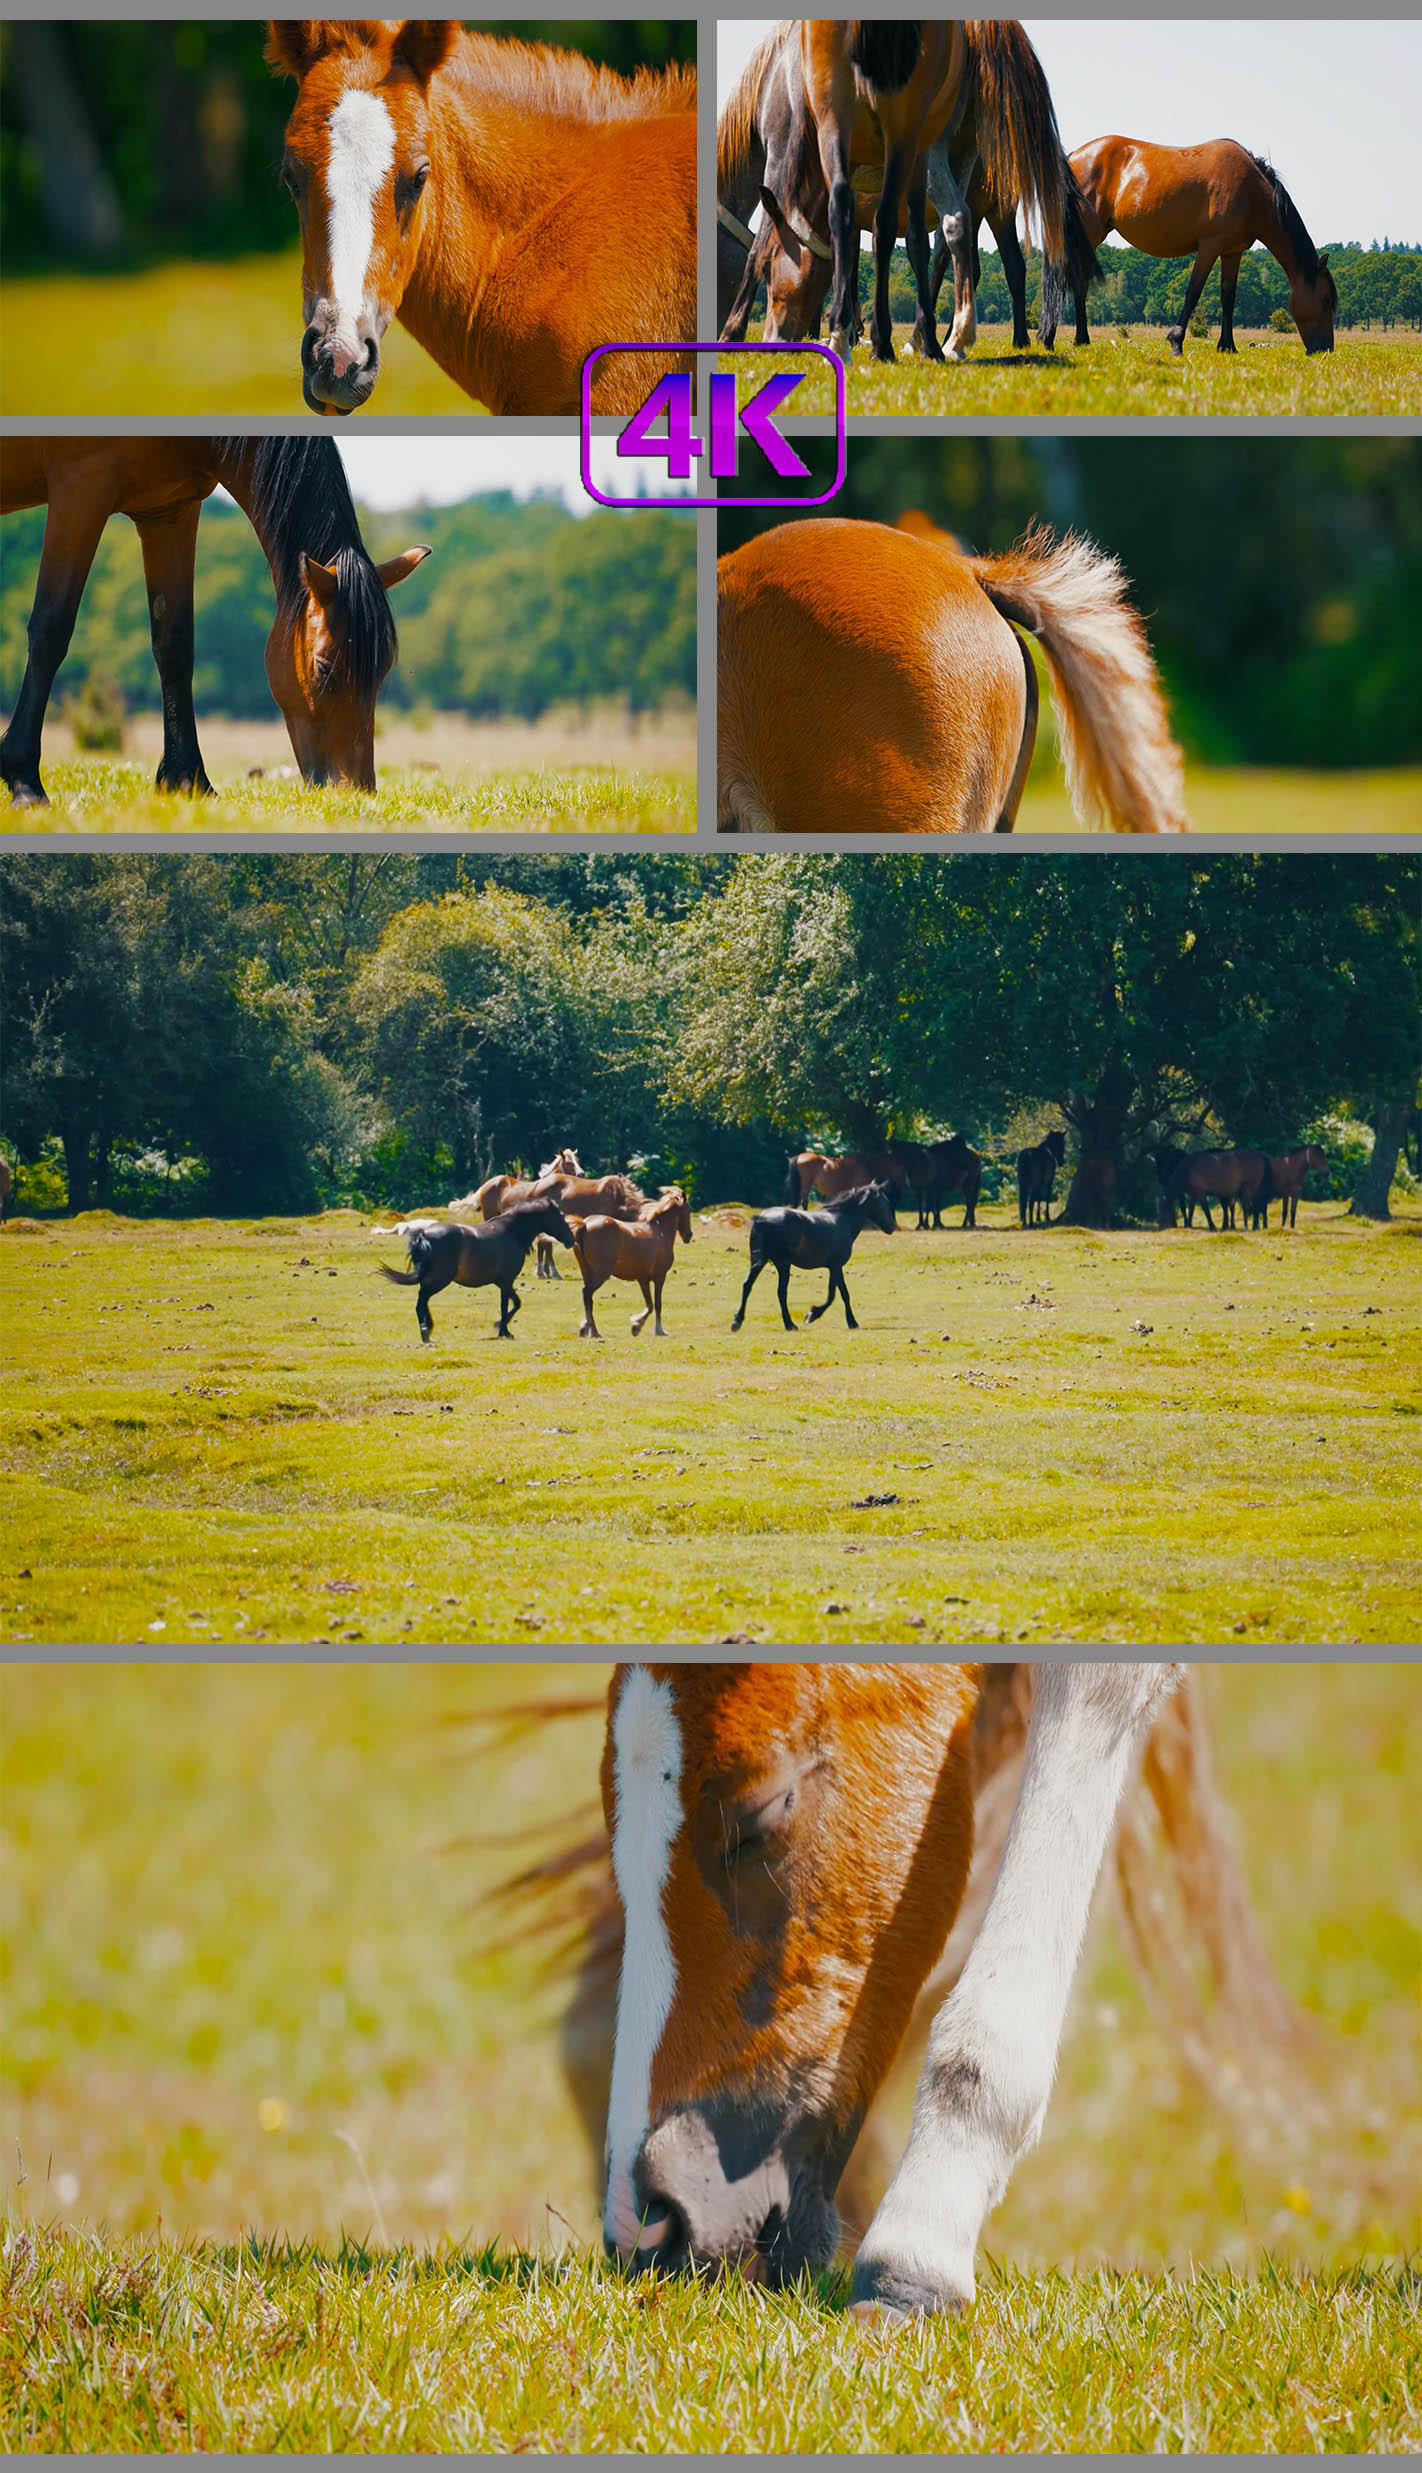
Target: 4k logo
(677, 448)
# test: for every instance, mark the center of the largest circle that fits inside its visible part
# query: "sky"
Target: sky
(395, 472)
(1335, 104)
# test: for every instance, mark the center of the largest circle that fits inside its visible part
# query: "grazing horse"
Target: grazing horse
(1036, 1179)
(933, 1171)
(1226, 1177)
(332, 641)
(805, 1857)
(871, 679)
(884, 92)
(443, 1251)
(640, 1249)
(1287, 1171)
(815, 1172)
(513, 206)
(814, 1241)
(1215, 200)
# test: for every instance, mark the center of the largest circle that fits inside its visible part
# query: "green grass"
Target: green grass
(288, 2158)
(1127, 376)
(224, 1429)
(205, 338)
(92, 793)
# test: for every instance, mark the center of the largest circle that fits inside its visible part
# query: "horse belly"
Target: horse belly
(1162, 224)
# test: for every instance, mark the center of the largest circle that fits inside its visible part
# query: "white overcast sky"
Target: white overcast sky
(1336, 104)
(396, 472)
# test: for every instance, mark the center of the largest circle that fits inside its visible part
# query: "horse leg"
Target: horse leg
(837, 1281)
(987, 2073)
(659, 1330)
(1083, 332)
(783, 1276)
(639, 1319)
(1229, 277)
(1199, 276)
(587, 1328)
(509, 1303)
(169, 544)
(1014, 275)
(844, 238)
(71, 536)
(422, 1315)
(886, 232)
(816, 1310)
(752, 1275)
(925, 329)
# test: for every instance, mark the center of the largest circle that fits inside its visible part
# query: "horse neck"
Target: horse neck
(235, 464)
(1276, 239)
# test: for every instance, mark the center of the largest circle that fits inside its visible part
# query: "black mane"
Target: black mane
(302, 499)
(1291, 220)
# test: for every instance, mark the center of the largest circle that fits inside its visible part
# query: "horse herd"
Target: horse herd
(617, 1232)
(839, 126)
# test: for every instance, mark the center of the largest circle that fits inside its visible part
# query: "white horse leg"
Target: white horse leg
(992, 2051)
(949, 195)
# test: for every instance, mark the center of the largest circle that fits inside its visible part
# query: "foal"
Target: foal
(443, 1251)
(640, 1249)
(814, 1241)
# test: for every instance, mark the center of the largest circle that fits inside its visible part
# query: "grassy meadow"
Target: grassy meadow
(605, 771)
(1121, 373)
(289, 2159)
(221, 1430)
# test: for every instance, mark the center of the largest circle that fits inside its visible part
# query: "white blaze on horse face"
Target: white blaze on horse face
(361, 138)
(646, 1745)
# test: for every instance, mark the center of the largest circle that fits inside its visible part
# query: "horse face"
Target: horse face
(790, 1844)
(356, 165)
(1313, 306)
(882, 1213)
(795, 287)
(326, 684)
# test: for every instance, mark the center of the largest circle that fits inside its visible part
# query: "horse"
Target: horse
(814, 1241)
(497, 1192)
(1226, 1177)
(1287, 1171)
(932, 1171)
(805, 1858)
(1216, 200)
(332, 641)
(816, 1172)
(871, 679)
(1036, 1179)
(886, 91)
(512, 205)
(444, 1250)
(640, 1249)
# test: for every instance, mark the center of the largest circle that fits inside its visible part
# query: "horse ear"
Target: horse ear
(294, 44)
(322, 583)
(923, 528)
(393, 571)
(423, 45)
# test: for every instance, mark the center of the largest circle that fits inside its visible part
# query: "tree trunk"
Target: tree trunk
(1375, 1183)
(1100, 1125)
(81, 204)
(76, 1165)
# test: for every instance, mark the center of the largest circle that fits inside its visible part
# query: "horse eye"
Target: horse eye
(408, 186)
(290, 180)
(759, 1833)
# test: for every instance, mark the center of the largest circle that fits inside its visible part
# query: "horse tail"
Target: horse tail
(1082, 266)
(790, 1191)
(740, 150)
(1123, 767)
(1016, 123)
(1293, 223)
(885, 51)
(402, 1279)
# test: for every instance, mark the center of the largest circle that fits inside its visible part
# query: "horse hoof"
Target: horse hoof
(28, 794)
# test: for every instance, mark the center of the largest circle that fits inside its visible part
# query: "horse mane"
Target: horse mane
(626, 1190)
(885, 50)
(302, 498)
(736, 127)
(548, 80)
(1293, 223)
(856, 1193)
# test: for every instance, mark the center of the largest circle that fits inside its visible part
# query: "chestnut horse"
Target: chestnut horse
(871, 679)
(815, 1172)
(513, 206)
(445, 1251)
(883, 92)
(1287, 1171)
(1036, 1179)
(497, 1192)
(641, 1249)
(1215, 201)
(1226, 1177)
(806, 1857)
(935, 1171)
(814, 1241)
(332, 640)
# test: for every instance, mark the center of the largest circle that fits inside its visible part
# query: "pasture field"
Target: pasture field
(203, 339)
(228, 1430)
(290, 2162)
(1121, 375)
(603, 772)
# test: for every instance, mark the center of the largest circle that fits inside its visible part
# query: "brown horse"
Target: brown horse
(871, 680)
(883, 92)
(1287, 1171)
(935, 1171)
(512, 205)
(498, 1192)
(332, 640)
(640, 1250)
(1215, 201)
(817, 1172)
(445, 1252)
(1227, 1177)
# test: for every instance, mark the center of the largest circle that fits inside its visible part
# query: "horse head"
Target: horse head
(797, 277)
(1313, 304)
(356, 165)
(790, 1844)
(881, 1209)
(550, 1222)
(329, 653)
(1056, 1144)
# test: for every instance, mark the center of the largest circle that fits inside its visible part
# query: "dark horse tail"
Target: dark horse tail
(1291, 219)
(885, 50)
(1082, 266)
(790, 1191)
(420, 1250)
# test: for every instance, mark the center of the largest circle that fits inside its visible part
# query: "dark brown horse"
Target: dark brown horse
(445, 1251)
(1216, 201)
(332, 640)
(814, 1241)
(1287, 1171)
(934, 1171)
(1036, 1179)
(1228, 1177)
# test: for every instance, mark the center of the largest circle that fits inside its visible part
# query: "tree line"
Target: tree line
(523, 606)
(1379, 287)
(271, 1032)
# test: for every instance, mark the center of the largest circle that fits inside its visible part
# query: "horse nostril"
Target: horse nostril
(310, 349)
(663, 2244)
(372, 355)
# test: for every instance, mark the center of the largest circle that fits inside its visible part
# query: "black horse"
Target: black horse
(820, 1240)
(489, 1255)
(935, 1171)
(1036, 1179)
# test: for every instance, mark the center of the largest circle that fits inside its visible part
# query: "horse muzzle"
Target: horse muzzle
(338, 372)
(716, 2196)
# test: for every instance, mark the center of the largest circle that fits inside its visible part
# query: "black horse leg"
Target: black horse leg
(1229, 277)
(837, 1280)
(886, 232)
(1014, 275)
(783, 1274)
(71, 536)
(925, 332)
(422, 1315)
(509, 1303)
(752, 1275)
(844, 239)
(1083, 331)
(169, 550)
(1199, 277)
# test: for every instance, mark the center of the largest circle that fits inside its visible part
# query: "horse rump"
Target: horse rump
(884, 51)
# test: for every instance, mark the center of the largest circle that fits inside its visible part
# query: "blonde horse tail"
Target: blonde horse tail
(1123, 767)
(740, 156)
(1016, 125)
